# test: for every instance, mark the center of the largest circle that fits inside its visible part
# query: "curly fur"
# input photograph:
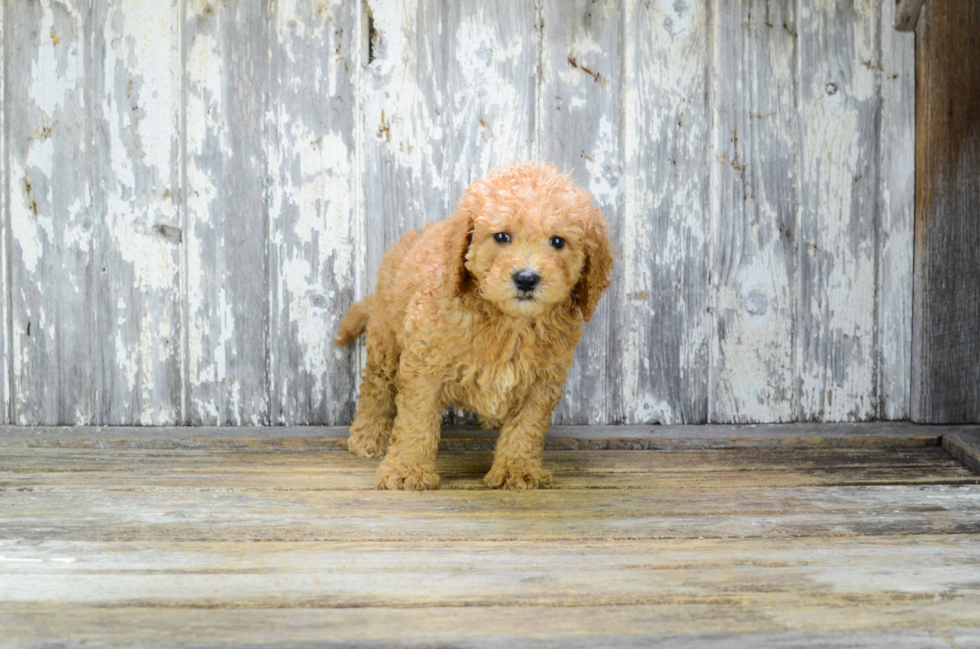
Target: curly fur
(447, 324)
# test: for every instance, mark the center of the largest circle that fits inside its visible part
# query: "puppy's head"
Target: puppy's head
(526, 239)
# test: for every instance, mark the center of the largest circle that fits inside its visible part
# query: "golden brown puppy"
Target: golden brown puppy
(482, 310)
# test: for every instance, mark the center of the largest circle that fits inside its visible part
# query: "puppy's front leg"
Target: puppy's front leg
(411, 459)
(517, 460)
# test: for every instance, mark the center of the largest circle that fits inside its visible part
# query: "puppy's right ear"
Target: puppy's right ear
(457, 239)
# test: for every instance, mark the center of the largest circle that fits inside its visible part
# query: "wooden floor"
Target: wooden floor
(782, 536)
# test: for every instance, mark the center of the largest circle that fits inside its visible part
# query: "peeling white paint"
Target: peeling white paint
(896, 173)
(752, 164)
(411, 130)
(489, 106)
(201, 192)
(837, 369)
(604, 166)
(57, 70)
(644, 156)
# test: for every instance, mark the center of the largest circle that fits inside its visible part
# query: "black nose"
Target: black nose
(525, 280)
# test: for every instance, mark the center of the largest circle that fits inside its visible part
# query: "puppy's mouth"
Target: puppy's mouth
(525, 297)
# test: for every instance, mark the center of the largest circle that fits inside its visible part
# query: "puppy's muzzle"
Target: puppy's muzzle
(526, 281)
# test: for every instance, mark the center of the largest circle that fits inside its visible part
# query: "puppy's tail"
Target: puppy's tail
(354, 322)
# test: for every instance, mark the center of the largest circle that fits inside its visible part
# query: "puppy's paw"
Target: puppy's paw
(510, 475)
(367, 441)
(490, 424)
(394, 474)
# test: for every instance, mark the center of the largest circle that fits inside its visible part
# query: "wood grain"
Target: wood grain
(224, 538)
(5, 316)
(964, 447)
(136, 129)
(927, 625)
(857, 573)
(836, 338)
(665, 251)
(313, 217)
(946, 344)
(754, 228)
(299, 469)
(226, 304)
(308, 509)
(492, 78)
(896, 218)
(94, 216)
(55, 204)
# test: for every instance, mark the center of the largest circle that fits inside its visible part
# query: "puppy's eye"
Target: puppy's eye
(557, 243)
(502, 237)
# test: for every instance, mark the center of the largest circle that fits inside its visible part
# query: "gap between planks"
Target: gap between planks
(680, 437)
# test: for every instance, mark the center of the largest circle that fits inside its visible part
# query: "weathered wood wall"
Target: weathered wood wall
(196, 190)
(946, 347)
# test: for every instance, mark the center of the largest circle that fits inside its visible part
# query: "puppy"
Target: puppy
(482, 310)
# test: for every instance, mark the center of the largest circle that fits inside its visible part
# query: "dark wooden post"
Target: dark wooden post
(946, 300)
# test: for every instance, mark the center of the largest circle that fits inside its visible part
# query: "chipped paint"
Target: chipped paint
(490, 111)
(224, 236)
(896, 173)
(755, 154)
(58, 67)
(836, 349)
(750, 283)
(140, 111)
(667, 129)
(312, 215)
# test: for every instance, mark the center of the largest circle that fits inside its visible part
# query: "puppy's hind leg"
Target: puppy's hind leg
(371, 431)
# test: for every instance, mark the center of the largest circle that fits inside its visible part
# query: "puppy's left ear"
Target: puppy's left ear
(598, 265)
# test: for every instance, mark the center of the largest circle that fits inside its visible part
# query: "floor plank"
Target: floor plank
(576, 515)
(964, 447)
(151, 538)
(930, 624)
(810, 571)
(799, 435)
(315, 470)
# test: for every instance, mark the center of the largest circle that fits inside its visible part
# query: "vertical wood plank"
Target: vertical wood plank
(946, 312)
(493, 52)
(580, 130)
(313, 216)
(4, 221)
(136, 97)
(665, 255)
(226, 48)
(754, 209)
(407, 136)
(896, 206)
(836, 321)
(56, 269)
